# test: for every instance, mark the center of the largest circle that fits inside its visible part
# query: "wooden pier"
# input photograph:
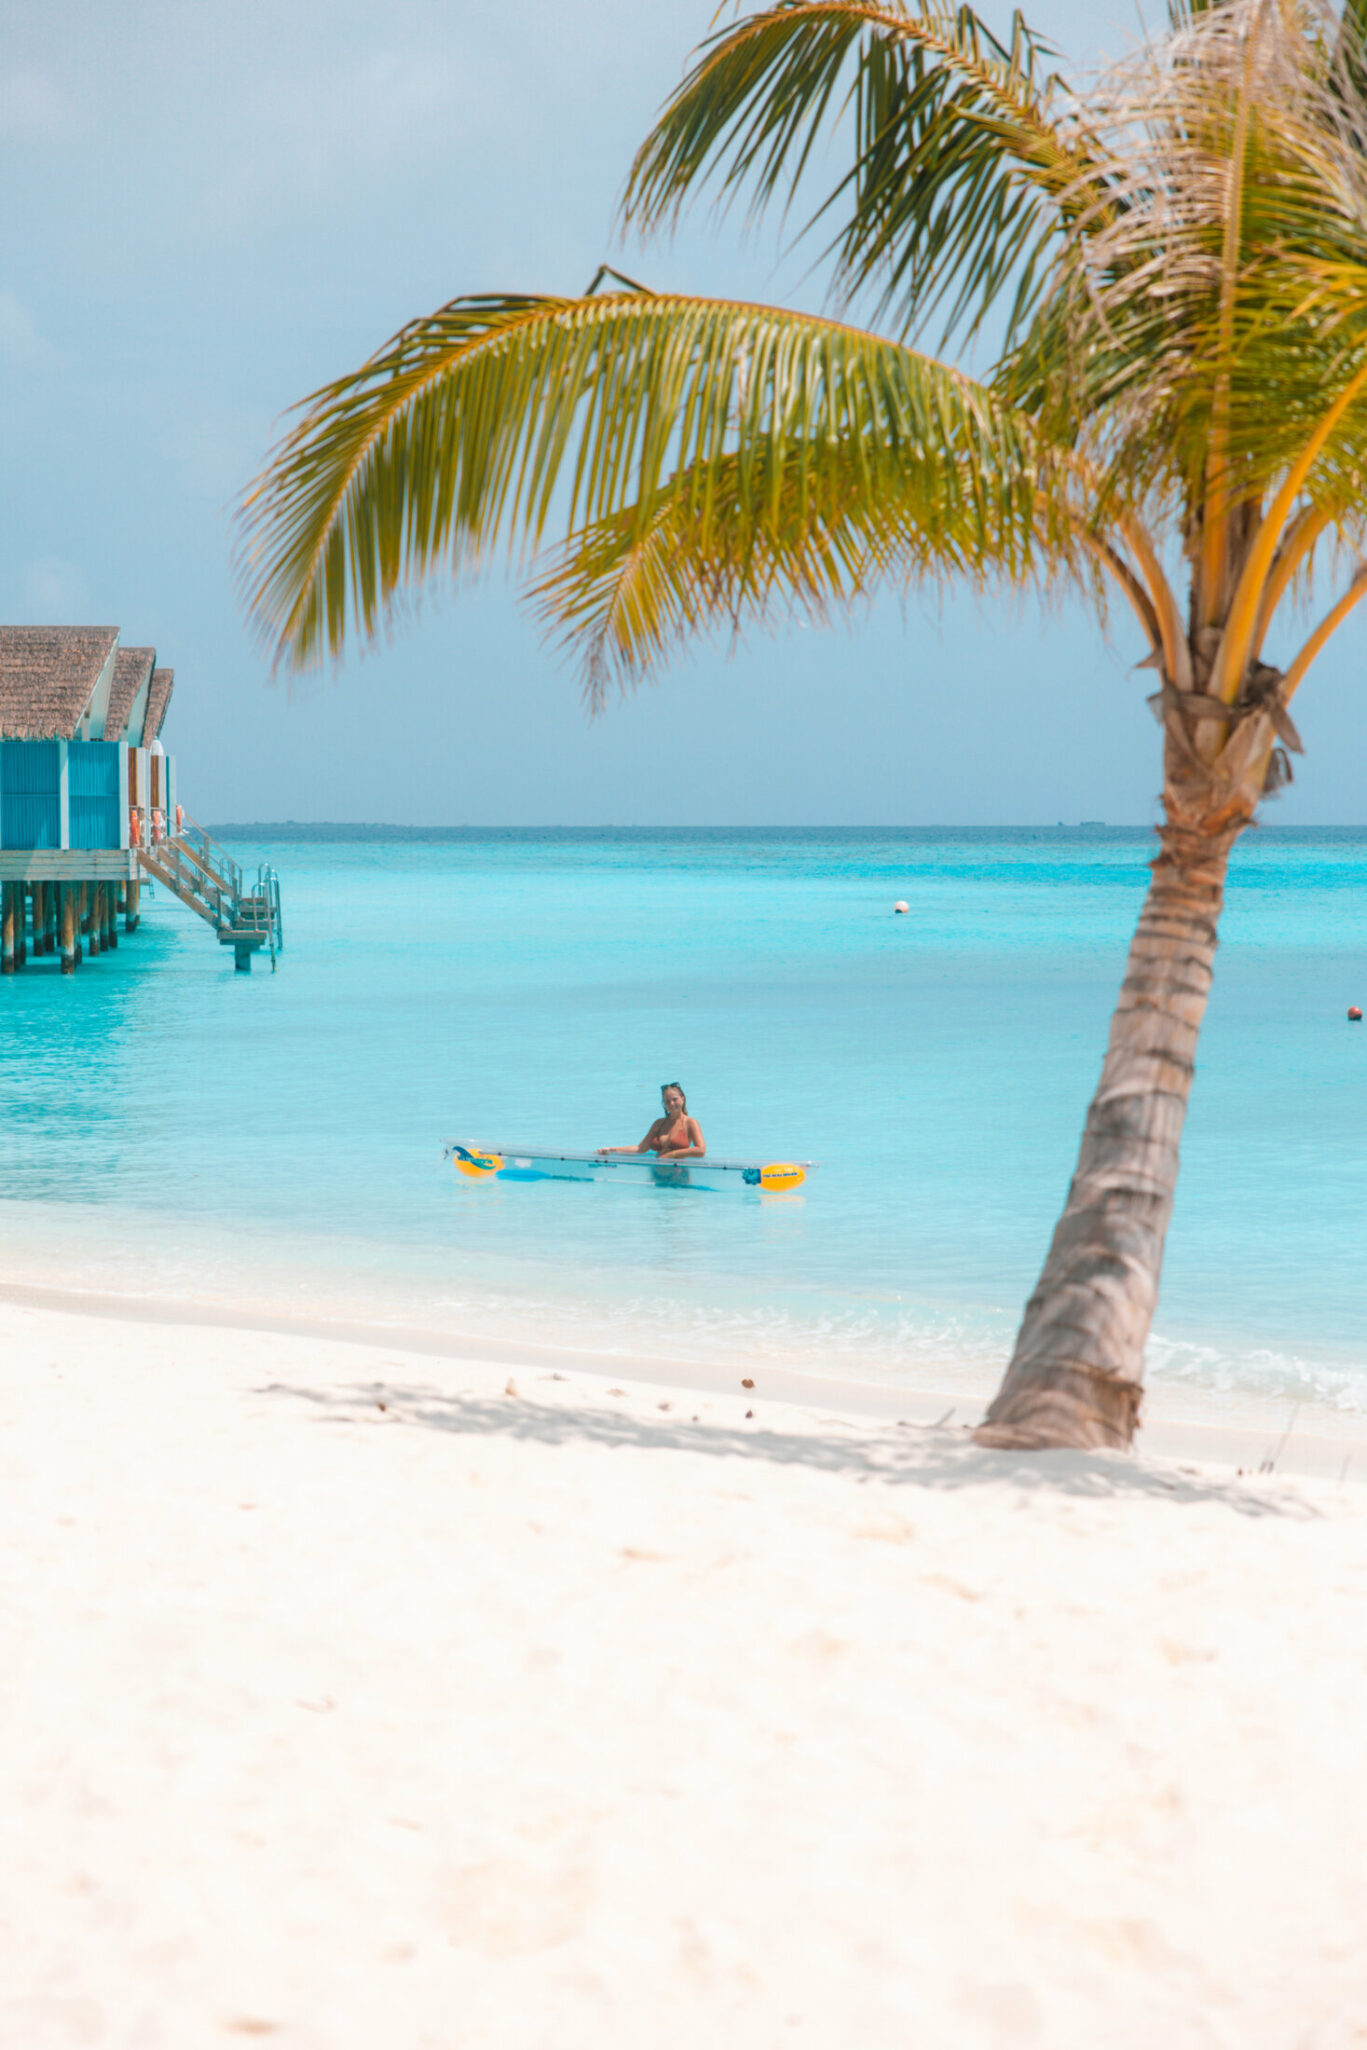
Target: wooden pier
(89, 808)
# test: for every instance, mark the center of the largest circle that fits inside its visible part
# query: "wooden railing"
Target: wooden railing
(206, 878)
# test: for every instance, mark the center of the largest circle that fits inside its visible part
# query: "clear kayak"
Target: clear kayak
(535, 1164)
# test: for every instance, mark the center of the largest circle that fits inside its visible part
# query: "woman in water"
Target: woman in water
(675, 1136)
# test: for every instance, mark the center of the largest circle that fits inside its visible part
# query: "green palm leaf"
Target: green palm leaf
(480, 426)
(966, 156)
(631, 589)
(1185, 320)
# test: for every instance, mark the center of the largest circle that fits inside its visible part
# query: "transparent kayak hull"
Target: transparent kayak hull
(536, 1164)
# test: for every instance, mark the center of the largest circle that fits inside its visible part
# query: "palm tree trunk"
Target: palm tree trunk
(1075, 1376)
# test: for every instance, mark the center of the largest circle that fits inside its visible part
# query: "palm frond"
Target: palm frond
(1198, 361)
(476, 428)
(1352, 42)
(625, 592)
(1208, 293)
(966, 154)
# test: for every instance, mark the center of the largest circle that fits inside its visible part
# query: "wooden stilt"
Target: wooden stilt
(96, 919)
(8, 894)
(85, 891)
(40, 919)
(50, 927)
(130, 916)
(21, 925)
(71, 944)
(111, 917)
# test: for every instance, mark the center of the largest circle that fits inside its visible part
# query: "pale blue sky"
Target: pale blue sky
(210, 209)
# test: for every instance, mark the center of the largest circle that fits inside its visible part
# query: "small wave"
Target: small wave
(1339, 1384)
(903, 1340)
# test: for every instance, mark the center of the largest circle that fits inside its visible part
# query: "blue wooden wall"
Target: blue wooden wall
(93, 789)
(30, 794)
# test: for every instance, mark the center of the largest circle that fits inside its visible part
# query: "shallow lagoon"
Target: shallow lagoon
(171, 1128)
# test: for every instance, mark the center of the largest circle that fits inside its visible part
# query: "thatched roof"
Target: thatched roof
(132, 669)
(158, 698)
(47, 675)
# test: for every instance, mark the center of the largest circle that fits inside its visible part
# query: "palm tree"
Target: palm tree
(1175, 261)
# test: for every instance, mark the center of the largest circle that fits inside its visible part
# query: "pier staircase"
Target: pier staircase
(244, 914)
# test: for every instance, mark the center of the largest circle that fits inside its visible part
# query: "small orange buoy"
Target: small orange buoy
(901, 905)
(1354, 1014)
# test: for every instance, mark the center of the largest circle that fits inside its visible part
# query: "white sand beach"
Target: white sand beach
(354, 1696)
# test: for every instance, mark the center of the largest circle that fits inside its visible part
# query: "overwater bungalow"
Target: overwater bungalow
(89, 805)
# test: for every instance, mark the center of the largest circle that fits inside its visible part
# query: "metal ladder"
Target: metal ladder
(257, 914)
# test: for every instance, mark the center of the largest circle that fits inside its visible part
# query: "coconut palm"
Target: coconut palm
(1173, 263)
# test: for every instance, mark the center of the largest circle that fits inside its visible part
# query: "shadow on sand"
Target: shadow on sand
(909, 1456)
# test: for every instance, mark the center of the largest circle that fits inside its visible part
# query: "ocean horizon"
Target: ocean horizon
(281, 830)
(274, 1143)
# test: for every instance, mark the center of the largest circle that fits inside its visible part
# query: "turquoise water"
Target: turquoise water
(170, 1128)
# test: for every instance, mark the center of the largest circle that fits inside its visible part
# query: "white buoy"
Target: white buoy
(901, 905)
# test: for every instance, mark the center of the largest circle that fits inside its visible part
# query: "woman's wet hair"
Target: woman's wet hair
(674, 1085)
